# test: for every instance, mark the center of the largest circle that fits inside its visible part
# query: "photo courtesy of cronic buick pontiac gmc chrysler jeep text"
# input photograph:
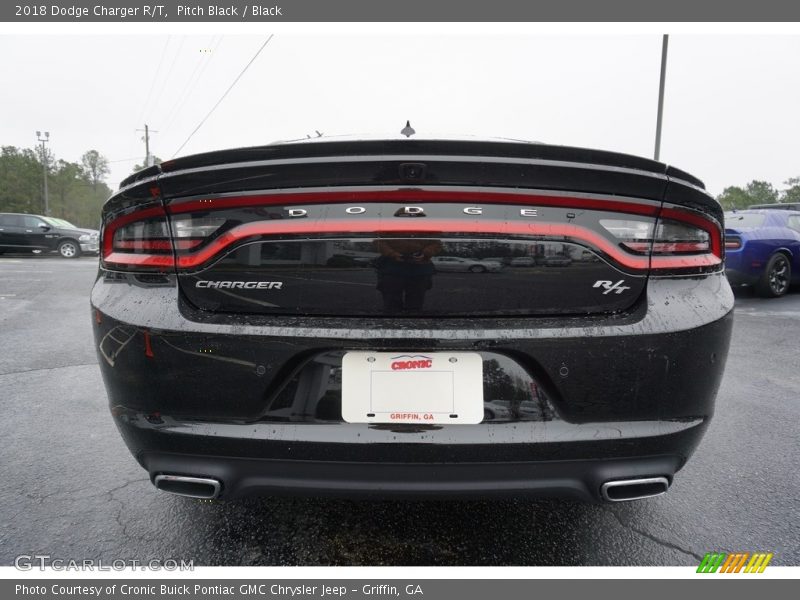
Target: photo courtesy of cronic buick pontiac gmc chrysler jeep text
(412, 317)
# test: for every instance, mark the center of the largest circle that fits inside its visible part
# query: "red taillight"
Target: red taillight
(674, 237)
(733, 243)
(680, 239)
(139, 241)
(143, 240)
(641, 235)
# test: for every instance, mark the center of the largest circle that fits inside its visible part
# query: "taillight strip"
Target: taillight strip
(403, 227)
(165, 245)
(140, 260)
(426, 226)
(684, 262)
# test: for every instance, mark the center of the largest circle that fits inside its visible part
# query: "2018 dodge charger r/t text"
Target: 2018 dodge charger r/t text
(241, 357)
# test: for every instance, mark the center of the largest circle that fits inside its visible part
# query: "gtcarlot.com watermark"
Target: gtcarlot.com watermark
(42, 562)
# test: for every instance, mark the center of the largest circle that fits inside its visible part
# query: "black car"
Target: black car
(35, 233)
(240, 359)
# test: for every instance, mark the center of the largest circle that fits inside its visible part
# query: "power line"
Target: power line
(155, 77)
(189, 88)
(157, 101)
(213, 108)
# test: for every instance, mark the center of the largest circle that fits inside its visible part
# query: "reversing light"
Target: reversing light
(199, 228)
(670, 237)
(635, 236)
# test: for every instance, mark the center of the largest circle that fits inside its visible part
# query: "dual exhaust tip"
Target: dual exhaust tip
(204, 488)
(633, 489)
(621, 490)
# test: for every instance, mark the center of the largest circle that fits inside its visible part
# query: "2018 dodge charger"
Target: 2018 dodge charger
(240, 359)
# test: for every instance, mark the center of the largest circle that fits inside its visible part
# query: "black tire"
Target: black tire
(776, 277)
(477, 269)
(69, 249)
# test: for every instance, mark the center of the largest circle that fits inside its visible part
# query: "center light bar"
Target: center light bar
(682, 239)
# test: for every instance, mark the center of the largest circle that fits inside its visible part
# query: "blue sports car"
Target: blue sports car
(762, 249)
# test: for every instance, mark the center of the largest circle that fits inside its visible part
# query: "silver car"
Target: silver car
(456, 264)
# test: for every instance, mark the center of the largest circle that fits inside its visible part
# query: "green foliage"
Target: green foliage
(762, 192)
(95, 166)
(74, 194)
(156, 161)
(792, 192)
(20, 181)
(758, 192)
(734, 197)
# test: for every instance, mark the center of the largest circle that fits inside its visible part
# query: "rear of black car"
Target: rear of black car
(283, 319)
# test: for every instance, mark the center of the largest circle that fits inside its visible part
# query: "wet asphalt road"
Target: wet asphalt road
(71, 489)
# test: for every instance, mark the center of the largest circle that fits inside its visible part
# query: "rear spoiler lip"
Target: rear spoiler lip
(522, 173)
(338, 150)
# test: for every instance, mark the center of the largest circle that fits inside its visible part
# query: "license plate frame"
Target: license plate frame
(433, 388)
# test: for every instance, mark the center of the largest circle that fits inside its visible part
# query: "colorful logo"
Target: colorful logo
(418, 361)
(734, 563)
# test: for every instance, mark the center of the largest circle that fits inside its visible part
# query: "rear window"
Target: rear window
(32, 221)
(744, 220)
(11, 220)
(60, 223)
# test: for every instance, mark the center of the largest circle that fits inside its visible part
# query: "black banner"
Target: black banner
(193, 11)
(362, 589)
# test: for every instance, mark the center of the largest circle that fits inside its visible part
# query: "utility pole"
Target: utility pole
(659, 118)
(148, 159)
(44, 140)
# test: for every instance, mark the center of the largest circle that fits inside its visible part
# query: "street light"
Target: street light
(44, 140)
(662, 81)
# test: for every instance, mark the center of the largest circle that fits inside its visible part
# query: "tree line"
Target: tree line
(77, 190)
(759, 192)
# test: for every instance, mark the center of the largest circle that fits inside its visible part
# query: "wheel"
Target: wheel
(477, 269)
(775, 280)
(69, 249)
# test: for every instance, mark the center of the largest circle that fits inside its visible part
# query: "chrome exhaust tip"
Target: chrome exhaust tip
(624, 490)
(191, 487)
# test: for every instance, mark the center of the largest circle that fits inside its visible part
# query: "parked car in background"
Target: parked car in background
(557, 260)
(523, 261)
(778, 205)
(762, 249)
(464, 265)
(32, 233)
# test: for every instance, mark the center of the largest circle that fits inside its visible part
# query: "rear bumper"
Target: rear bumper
(579, 480)
(631, 395)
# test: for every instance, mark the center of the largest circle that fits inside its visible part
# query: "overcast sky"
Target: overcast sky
(732, 110)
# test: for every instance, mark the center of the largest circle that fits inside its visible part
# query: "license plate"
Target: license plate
(409, 387)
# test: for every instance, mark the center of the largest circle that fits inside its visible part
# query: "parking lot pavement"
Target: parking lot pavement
(72, 490)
